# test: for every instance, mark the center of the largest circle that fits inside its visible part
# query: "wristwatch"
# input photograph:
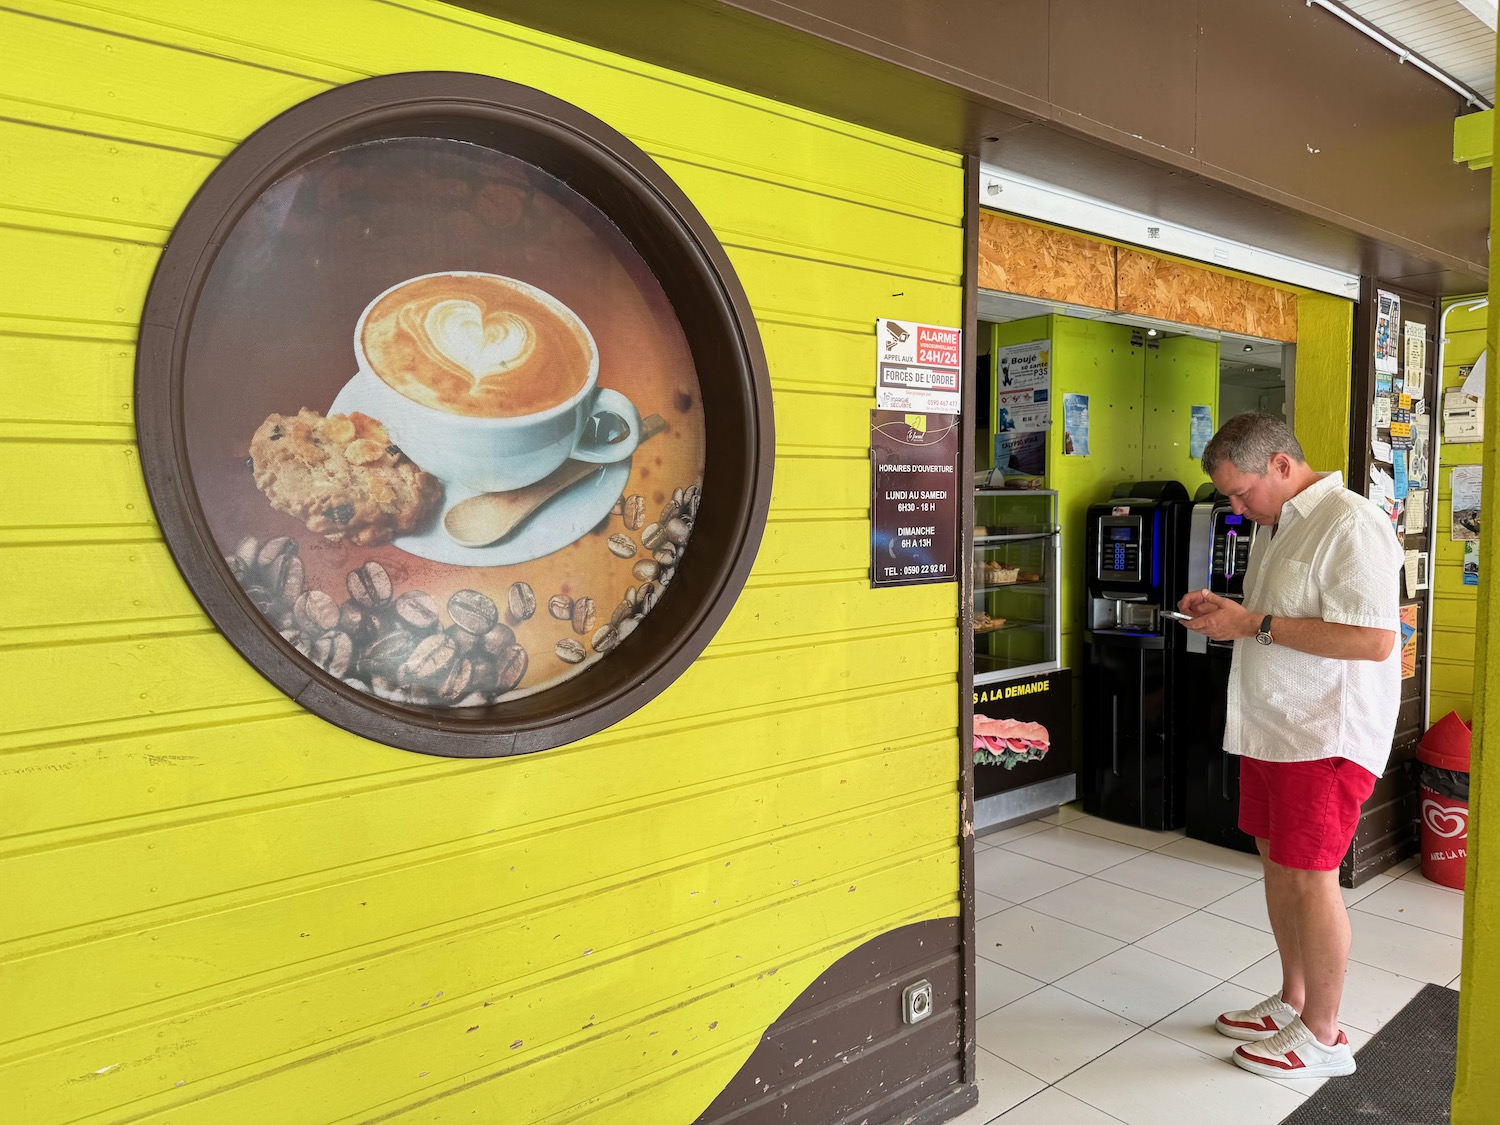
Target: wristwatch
(1264, 636)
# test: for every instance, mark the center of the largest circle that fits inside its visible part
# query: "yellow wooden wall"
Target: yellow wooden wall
(220, 908)
(1454, 605)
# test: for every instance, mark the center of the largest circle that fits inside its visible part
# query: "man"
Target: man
(1313, 692)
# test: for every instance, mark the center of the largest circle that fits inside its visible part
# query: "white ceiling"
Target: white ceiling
(1455, 36)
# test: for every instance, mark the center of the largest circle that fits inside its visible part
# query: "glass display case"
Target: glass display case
(1017, 629)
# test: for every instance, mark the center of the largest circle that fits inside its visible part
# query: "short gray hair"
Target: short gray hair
(1249, 441)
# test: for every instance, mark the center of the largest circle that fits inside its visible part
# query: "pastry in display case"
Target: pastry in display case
(1016, 623)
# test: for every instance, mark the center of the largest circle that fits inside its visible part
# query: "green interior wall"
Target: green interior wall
(1454, 605)
(1476, 1089)
(1180, 374)
(1320, 385)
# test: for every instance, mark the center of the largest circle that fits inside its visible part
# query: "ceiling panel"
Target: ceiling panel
(1447, 33)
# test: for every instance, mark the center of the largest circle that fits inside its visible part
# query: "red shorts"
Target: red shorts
(1307, 810)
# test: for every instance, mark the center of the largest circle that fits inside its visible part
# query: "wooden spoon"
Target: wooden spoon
(491, 516)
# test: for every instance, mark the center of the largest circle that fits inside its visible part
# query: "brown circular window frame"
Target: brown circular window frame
(627, 186)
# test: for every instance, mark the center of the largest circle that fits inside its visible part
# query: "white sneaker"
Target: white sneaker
(1294, 1052)
(1260, 1022)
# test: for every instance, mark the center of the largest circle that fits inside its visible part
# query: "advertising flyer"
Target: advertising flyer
(914, 503)
(1202, 430)
(918, 367)
(1021, 397)
(1415, 368)
(1471, 563)
(1387, 331)
(1075, 425)
(1022, 731)
(1467, 480)
(1408, 641)
(1401, 416)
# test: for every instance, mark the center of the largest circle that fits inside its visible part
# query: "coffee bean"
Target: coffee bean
(633, 596)
(645, 570)
(464, 642)
(455, 681)
(634, 512)
(649, 594)
(679, 530)
(483, 675)
(418, 612)
(560, 606)
(653, 537)
(669, 511)
(287, 576)
(583, 616)
(369, 585)
(691, 500)
(520, 602)
(383, 656)
(352, 619)
(237, 568)
(664, 579)
(315, 613)
(570, 651)
(666, 555)
(497, 640)
(247, 550)
(282, 617)
(473, 611)
(621, 545)
(261, 598)
(606, 639)
(274, 549)
(622, 611)
(428, 661)
(512, 668)
(334, 653)
(677, 495)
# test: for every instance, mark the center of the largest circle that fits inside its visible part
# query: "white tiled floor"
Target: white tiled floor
(1104, 952)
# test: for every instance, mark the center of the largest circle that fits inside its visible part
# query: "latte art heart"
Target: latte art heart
(477, 344)
(481, 346)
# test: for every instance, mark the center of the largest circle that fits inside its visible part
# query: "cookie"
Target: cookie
(342, 476)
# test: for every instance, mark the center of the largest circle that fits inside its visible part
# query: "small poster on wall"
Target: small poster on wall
(1467, 480)
(1471, 563)
(1387, 331)
(918, 366)
(1408, 641)
(1022, 391)
(1202, 430)
(1401, 416)
(1415, 337)
(1075, 425)
(914, 482)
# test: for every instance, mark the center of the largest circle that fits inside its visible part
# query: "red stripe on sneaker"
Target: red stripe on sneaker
(1266, 1024)
(1260, 1060)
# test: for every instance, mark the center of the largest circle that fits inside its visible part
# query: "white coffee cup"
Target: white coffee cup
(498, 454)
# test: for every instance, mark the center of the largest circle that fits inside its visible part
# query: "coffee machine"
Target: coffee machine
(1219, 543)
(1132, 764)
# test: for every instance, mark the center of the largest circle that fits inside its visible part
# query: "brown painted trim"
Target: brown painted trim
(680, 248)
(968, 1019)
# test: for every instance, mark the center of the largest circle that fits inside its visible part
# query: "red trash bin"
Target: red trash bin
(1444, 793)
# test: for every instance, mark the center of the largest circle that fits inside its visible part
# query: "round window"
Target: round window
(454, 414)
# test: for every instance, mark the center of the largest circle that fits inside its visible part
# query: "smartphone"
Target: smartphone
(1175, 616)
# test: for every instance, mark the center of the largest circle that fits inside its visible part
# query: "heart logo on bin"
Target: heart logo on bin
(1444, 821)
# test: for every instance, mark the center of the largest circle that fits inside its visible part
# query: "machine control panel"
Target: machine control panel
(1233, 536)
(1120, 548)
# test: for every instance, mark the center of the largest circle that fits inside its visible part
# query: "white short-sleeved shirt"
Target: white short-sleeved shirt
(1334, 556)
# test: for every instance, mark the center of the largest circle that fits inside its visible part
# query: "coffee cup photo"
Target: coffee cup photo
(486, 381)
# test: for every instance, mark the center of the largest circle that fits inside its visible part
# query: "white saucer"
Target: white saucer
(565, 518)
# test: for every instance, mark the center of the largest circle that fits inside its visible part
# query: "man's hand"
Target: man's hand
(1218, 619)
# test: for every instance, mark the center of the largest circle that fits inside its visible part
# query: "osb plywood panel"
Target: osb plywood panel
(1035, 261)
(1167, 290)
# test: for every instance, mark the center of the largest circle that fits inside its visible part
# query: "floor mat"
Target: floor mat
(1405, 1074)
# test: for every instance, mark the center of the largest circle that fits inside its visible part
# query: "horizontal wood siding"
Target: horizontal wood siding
(220, 908)
(1454, 605)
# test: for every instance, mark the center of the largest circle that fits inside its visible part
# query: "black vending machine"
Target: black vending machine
(1219, 544)
(1132, 764)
